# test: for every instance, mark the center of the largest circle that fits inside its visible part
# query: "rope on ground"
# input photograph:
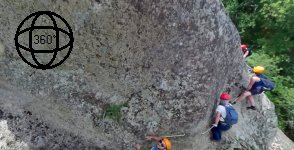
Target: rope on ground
(171, 136)
(207, 130)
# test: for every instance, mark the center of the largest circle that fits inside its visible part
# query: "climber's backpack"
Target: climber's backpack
(232, 115)
(250, 52)
(268, 85)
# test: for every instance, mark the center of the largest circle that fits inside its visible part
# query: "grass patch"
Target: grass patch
(112, 111)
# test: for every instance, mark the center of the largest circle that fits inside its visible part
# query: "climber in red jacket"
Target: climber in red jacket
(162, 143)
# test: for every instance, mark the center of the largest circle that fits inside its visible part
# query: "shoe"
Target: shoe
(251, 107)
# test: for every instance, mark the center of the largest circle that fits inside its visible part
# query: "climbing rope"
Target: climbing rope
(172, 136)
(207, 130)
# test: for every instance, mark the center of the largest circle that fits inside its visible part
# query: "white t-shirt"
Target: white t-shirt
(222, 110)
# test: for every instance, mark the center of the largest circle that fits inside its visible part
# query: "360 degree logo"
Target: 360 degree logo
(44, 40)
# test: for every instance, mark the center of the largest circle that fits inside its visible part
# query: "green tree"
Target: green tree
(267, 27)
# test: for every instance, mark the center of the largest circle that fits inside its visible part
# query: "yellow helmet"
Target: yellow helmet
(167, 143)
(258, 69)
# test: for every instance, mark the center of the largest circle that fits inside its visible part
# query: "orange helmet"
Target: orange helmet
(167, 143)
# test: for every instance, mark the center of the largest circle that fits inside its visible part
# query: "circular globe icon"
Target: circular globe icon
(44, 40)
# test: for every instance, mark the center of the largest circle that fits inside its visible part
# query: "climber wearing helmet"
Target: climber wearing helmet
(245, 50)
(253, 88)
(162, 143)
(223, 119)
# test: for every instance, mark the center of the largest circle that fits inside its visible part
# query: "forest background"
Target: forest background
(267, 27)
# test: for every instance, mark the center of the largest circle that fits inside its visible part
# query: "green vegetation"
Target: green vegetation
(113, 111)
(268, 27)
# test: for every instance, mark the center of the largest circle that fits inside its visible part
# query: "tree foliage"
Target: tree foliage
(267, 26)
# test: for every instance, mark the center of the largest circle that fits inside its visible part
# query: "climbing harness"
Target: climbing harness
(250, 69)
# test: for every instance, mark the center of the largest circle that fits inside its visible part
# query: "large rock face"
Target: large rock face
(165, 62)
(281, 142)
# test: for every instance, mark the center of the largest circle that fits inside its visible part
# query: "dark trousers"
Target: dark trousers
(217, 131)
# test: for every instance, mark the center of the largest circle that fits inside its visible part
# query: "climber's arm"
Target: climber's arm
(246, 54)
(252, 81)
(138, 147)
(153, 138)
(217, 117)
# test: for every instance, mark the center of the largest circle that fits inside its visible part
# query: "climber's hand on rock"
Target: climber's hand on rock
(148, 138)
(138, 147)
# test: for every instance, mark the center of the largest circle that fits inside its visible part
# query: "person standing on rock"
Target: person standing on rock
(162, 143)
(258, 83)
(225, 117)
